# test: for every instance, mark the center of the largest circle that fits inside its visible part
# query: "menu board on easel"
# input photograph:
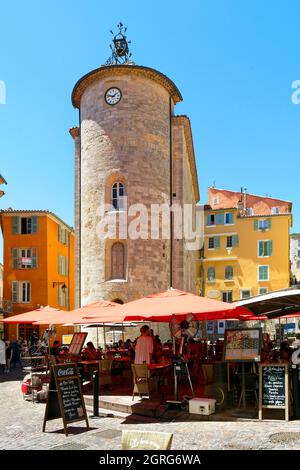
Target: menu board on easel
(274, 387)
(77, 343)
(65, 399)
(242, 345)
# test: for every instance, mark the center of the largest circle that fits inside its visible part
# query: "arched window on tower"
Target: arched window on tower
(118, 261)
(117, 196)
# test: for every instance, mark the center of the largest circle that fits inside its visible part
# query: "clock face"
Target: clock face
(113, 96)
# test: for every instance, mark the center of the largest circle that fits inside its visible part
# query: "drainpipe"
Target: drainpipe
(171, 193)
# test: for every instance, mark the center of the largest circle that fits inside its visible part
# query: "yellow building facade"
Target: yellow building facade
(245, 245)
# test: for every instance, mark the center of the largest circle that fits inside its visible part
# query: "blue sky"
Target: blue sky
(233, 60)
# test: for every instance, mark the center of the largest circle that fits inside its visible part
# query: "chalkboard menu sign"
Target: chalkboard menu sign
(65, 399)
(273, 387)
(242, 345)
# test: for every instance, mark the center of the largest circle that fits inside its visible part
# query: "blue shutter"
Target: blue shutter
(270, 248)
(217, 242)
(235, 240)
(15, 255)
(34, 223)
(230, 218)
(33, 258)
(16, 225)
(219, 219)
(15, 292)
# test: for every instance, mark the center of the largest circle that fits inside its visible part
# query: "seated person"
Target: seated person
(121, 344)
(55, 350)
(90, 353)
(285, 351)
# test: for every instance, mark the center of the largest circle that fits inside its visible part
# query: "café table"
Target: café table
(159, 371)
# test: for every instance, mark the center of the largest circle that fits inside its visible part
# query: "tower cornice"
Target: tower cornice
(116, 70)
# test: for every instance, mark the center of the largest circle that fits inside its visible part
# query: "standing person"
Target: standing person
(16, 355)
(55, 350)
(144, 347)
(34, 338)
(9, 353)
(2, 354)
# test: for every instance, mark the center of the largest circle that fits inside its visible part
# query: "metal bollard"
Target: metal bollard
(95, 394)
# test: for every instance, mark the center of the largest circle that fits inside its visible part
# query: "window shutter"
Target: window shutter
(219, 219)
(67, 237)
(34, 223)
(66, 298)
(59, 264)
(217, 242)
(33, 258)
(15, 292)
(235, 240)
(16, 225)
(255, 224)
(269, 224)
(230, 218)
(208, 219)
(66, 266)
(15, 254)
(60, 299)
(260, 248)
(59, 234)
(270, 248)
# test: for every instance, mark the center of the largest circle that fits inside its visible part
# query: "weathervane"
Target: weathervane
(120, 51)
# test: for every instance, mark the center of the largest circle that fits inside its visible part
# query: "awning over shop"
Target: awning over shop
(276, 304)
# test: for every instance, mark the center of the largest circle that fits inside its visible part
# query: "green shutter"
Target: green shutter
(15, 254)
(208, 219)
(235, 240)
(15, 292)
(67, 266)
(219, 219)
(270, 248)
(269, 224)
(231, 221)
(34, 224)
(16, 225)
(255, 224)
(260, 248)
(217, 242)
(33, 258)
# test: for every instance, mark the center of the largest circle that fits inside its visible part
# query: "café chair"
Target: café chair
(143, 383)
(105, 366)
(146, 440)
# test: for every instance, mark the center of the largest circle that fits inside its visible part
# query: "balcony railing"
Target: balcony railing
(5, 306)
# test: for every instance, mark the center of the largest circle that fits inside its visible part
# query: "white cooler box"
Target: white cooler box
(202, 406)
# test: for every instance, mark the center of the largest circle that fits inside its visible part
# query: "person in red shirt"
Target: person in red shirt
(90, 353)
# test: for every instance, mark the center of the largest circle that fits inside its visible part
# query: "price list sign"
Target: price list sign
(65, 399)
(273, 388)
(242, 345)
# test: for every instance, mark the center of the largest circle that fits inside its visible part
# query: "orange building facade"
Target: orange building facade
(38, 264)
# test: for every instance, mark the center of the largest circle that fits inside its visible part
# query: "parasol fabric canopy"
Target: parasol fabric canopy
(81, 315)
(283, 303)
(46, 314)
(161, 307)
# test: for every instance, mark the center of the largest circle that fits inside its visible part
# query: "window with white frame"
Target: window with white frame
(228, 218)
(275, 210)
(227, 296)
(263, 273)
(211, 219)
(245, 293)
(263, 290)
(21, 292)
(265, 248)
(24, 258)
(118, 196)
(229, 242)
(211, 274)
(228, 273)
(211, 243)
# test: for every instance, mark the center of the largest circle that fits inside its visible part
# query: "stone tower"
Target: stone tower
(127, 146)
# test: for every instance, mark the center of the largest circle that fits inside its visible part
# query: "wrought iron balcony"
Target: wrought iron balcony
(5, 306)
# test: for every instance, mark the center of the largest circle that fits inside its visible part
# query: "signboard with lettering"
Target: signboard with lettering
(242, 345)
(77, 343)
(65, 399)
(273, 387)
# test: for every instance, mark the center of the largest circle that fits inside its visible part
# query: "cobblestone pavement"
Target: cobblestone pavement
(21, 428)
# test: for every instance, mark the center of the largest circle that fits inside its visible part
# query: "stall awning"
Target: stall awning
(274, 304)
